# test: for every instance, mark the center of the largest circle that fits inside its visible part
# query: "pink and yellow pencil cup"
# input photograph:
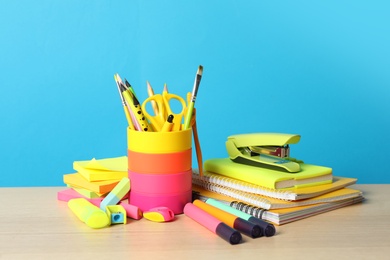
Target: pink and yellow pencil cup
(160, 168)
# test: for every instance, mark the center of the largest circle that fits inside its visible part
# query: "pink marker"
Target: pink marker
(212, 223)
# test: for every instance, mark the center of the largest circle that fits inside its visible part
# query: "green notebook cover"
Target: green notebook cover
(309, 175)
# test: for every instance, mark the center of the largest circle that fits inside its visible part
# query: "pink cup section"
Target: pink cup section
(174, 201)
(161, 183)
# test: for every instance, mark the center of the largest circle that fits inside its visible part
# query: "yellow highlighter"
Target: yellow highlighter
(89, 213)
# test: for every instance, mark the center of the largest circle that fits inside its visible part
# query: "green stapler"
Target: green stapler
(269, 150)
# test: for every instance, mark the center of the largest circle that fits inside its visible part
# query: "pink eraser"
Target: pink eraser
(68, 194)
(159, 214)
(132, 211)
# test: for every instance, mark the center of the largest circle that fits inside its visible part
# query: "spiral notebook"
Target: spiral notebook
(284, 216)
(284, 194)
(222, 193)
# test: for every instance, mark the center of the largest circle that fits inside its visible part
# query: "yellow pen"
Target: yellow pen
(141, 123)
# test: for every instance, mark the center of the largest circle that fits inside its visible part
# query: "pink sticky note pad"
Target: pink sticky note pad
(68, 194)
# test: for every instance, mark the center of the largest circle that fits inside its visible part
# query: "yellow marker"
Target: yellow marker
(168, 124)
(88, 213)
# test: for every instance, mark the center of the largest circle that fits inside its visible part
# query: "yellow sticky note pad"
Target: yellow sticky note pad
(108, 164)
(78, 181)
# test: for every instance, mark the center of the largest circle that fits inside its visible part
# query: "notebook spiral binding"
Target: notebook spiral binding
(237, 185)
(235, 194)
(251, 210)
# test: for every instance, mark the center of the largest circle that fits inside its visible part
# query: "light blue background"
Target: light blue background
(315, 68)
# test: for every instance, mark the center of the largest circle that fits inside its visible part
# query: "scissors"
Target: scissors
(164, 110)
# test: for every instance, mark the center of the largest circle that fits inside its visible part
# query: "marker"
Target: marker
(246, 227)
(89, 213)
(212, 223)
(267, 229)
(116, 194)
(198, 77)
(168, 124)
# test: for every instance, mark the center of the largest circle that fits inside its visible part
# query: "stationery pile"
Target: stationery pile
(94, 179)
(269, 192)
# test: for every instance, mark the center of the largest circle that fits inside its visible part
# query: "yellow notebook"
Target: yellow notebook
(284, 194)
(221, 193)
(309, 175)
(77, 180)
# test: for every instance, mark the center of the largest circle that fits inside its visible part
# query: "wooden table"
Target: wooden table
(34, 225)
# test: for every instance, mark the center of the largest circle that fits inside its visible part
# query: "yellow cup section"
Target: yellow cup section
(159, 142)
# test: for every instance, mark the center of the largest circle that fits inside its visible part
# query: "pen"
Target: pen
(129, 87)
(212, 223)
(141, 122)
(242, 225)
(188, 116)
(129, 102)
(151, 93)
(125, 106)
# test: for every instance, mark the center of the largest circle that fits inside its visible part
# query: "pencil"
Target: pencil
(125, 106)
(151, 93)
(198, 77)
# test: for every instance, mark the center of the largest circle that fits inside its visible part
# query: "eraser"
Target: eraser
(159, 214)
(119, 191)
(132, 211)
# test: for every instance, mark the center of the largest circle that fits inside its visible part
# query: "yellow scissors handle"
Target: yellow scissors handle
(177, 120)
(159, 119)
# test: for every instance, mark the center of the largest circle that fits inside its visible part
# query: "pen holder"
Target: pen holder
(160, 169)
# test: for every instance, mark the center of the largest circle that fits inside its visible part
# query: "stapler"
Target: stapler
(264, 150)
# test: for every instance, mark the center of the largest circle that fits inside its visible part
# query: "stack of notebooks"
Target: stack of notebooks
(275, 196)
(94, 179)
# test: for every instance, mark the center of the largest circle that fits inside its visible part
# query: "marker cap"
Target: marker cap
(229, 234)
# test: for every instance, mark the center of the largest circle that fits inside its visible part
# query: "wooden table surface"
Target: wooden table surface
(34, 225)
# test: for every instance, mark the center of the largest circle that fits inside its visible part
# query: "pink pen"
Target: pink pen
(213, 224)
